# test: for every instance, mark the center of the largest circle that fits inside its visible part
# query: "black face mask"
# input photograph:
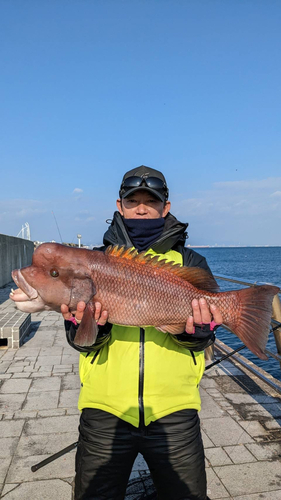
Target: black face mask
(144, 232)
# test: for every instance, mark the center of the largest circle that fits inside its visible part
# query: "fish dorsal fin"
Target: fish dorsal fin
(198, 277)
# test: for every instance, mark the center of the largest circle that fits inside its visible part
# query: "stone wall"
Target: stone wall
(14, 254)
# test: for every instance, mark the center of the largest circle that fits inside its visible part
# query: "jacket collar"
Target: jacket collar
(174, 233)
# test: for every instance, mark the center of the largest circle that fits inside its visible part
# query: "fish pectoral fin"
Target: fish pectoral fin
(173, 329)
(88, 329)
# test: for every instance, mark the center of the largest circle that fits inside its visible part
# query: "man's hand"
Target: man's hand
(101, 317)
(202, 314)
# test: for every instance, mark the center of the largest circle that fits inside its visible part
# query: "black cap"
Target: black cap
(160, 191)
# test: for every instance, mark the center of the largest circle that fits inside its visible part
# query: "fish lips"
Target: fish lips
(23, 285)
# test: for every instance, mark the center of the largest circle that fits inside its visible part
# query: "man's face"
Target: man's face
(142, 205)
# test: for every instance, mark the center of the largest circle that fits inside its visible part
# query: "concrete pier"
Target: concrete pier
(240, 419)
(15, 253)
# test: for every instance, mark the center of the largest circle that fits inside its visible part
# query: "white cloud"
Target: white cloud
(252, 184)
(78, 190)
(241, 212)
(18, 208)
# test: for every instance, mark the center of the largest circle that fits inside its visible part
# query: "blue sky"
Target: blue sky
(93, 88)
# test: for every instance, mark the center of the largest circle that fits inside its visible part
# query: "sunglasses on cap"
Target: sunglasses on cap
(151, 182)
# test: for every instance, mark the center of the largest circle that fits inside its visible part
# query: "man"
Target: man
(140, 386)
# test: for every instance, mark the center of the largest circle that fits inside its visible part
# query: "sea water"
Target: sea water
(252, 264)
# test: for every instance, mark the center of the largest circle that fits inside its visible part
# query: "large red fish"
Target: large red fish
(137, 290)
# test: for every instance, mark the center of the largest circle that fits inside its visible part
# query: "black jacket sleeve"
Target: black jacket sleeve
(197, 341)
(102, 338)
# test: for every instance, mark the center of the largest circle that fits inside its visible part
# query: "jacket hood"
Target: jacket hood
(174, 233)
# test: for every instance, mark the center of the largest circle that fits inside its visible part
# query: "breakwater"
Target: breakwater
(14, 253)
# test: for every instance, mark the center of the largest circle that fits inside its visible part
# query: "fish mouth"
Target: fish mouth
(23, 285)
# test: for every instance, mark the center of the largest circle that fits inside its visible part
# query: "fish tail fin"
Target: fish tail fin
(252, 324)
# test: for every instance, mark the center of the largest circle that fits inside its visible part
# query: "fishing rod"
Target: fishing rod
(71, 447)
(218, 361)
(57, 225)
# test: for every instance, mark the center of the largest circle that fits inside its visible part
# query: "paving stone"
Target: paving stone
(30, 368)
(51, 351)
(52, 413)
(139, 464)
(15, 369)
(56, 488)
(29, 351)
(40, 374)
(8, 355)
(238, 398)
(11, 402)
(61, 371)
(8, 446)
(51, 425)
(5, 376)
(265, 451)
(274, 495)
(225, 431)
(253, 428)
(41, 400)
(225, 404)
(4, 365)
(215, 488)
(9, 487)
(69, 398)
(4, 466)
(20, 375)
(20, 468)
(15, 386)
(206, 440)
(258, 412)
(45, 368)
(45, 384)
(208, 382)
(272, 425)
(210, 409)
(31, 359)
(73, 411)
(70, 382)
(217, 456)
(48, 360)
(8, 416)
(25, 414)
(239, 454)
(70, 358)
(21, 363)
(44, 444)
(11, 429)
(214, 393)
(256, 477)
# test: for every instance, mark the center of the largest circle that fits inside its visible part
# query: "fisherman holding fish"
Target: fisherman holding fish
(141, 310)
(140, 386)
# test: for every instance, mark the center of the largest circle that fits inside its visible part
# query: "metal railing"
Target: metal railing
(275, 322)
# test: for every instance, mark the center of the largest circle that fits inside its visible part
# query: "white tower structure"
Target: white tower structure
(24, 232)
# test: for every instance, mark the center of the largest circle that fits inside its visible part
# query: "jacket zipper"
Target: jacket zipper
(141, 378)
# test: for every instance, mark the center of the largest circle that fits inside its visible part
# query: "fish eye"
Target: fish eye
(54, 273)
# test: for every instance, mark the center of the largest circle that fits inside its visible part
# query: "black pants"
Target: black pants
(172, 447)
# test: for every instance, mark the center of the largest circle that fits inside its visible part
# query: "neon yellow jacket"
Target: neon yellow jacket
(141, 372)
